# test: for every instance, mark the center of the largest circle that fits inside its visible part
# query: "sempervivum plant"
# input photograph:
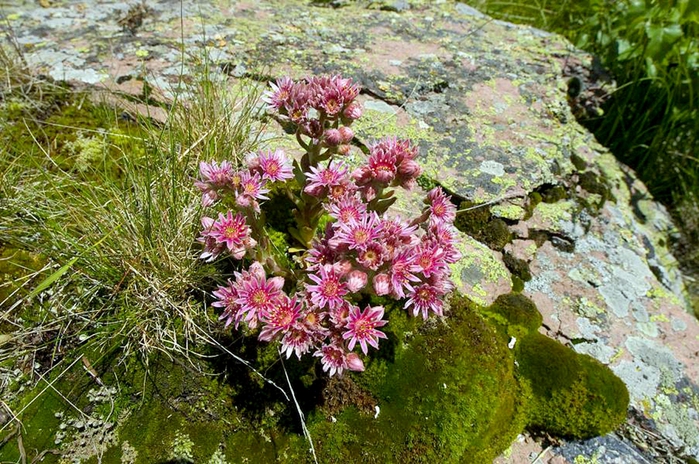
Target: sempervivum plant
(362, 250)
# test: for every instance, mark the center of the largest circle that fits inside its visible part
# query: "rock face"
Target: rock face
(562, 220)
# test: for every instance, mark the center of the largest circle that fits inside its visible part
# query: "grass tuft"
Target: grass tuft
(109, 205)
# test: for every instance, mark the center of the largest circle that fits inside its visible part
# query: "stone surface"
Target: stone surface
(486, 101)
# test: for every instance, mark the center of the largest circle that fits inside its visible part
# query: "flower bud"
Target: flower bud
(344, 150)
(353, 111)
(354, 363)
(362, 175)
(252, 160)
(369, 192)
(257, 270)
(333, 137)
(356, 280)
(343, 267)
(409, 168)
(346, 134)
(382, 284)
(277, 282)
(238, 252)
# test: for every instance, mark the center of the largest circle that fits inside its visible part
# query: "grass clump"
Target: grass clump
(109, 203)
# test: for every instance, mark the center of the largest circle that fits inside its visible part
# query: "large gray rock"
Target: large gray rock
(487, 103)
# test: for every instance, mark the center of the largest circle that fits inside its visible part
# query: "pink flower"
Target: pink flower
(441, 208)
(425, 298)
(357, 235)
(279, 95)
(372, 257)
(214, 174)
(356, 280)
(275, 166)
(361, 327)
(333, 93)
(338, 316)
(296, 106)
(382, 163)
(320, 254)
(232, 231)
(312, 323)
(226, 297)
(382, 284)
(258, 296)
(214, 177)
(329, 290)
(400, 272)
(345, 188)
(396, 233)
(296, 340)
(322, 179)
(429, 258)
(446, 236)
(212, 248)
(250, 190)
(347, 209)
(333, 358)
(280, 318)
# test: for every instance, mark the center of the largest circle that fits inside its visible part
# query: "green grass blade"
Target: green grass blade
(47, 282)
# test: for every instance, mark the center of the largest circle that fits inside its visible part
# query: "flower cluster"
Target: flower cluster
(363, 251)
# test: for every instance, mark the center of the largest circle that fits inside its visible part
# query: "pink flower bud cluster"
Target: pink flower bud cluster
(391, 163)
(363, 251)
(316, 102)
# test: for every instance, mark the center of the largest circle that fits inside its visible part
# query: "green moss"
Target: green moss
(426, 183)
(574, 395)
(516, 312)
(592, 183)
(496, 234)
(534, 199)
(579, 163)
(517, 284)
(481, 225)
(553, 194)
(15, 264)
(518, 267)
(449, 396)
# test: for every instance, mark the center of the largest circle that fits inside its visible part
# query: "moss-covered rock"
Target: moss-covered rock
(516, 312)
(449, 396)
(573, 395)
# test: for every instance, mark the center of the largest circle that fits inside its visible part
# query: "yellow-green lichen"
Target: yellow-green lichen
(550, 215)
(378, 124)
(508, 211)
(478, 268)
